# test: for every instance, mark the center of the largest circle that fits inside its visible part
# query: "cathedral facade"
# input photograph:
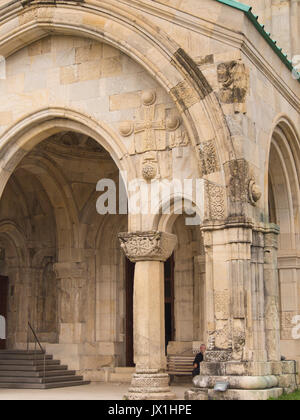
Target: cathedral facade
(195, 104)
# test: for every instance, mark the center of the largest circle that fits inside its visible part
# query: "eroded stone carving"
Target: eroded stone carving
(239, 340)
(239, 180)
(254, 192)
(222, 300)
(184, 94)
(148, 246)
(234, 80)
(208, 157)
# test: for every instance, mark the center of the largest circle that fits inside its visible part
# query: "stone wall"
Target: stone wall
(282, 19)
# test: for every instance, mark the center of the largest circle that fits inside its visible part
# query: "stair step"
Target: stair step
(21, 352)
(29, 362)
(66, 384)
(9, 385)
(20, 369)
(24, 356)
(32, 368)
(40, 380)
(33, 374)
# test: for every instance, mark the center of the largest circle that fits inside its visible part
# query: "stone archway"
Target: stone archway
(197, 130)
(59, 239)
(162, 58)
(284, 205)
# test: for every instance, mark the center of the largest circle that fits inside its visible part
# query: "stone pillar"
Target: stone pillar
(272, 311)
(242, 314)
(149, 250)
(228, 256)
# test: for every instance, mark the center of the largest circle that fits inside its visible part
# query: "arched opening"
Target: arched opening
(185, 308)
(63, 259)
(283, 204)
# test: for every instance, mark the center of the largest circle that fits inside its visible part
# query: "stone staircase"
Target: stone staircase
(25, 370)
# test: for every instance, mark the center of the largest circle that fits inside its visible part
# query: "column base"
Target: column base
(233, 394)
(245, 380)
(150, 386)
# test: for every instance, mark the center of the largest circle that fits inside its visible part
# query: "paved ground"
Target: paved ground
(88, 392)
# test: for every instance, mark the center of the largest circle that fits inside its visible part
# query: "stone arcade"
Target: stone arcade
(162, 89)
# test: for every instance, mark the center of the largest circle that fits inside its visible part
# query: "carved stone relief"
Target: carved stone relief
(254, 192)
(208, 157)
(222, 300)
(218, 356)
(150, 166)
(233, 78)
(184, 94)
(148, 246)
(214, 201)
(155, 128)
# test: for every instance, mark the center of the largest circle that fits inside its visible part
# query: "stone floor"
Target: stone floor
(98, 391)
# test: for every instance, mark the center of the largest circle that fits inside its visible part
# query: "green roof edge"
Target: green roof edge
(254, 19)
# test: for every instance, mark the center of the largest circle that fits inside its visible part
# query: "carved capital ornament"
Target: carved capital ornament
(148, 246)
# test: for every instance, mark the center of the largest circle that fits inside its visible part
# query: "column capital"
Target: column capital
(148, 246)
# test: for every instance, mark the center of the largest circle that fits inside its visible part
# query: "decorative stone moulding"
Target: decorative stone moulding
(150, 387)
(254, 192)
(126, 128)
(148, 97)
(148, 246)
(218, 356)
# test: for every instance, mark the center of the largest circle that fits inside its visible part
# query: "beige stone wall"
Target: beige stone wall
(191, 90)
(282, 19)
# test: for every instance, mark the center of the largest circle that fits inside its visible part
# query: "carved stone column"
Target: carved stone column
(242, 299)
(228, 256)
(149, 250)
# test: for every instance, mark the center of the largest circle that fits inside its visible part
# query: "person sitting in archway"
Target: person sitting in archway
(198, 360)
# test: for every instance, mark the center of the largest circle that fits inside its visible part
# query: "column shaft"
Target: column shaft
(149, 316)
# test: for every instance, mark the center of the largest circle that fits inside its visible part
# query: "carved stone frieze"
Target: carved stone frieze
(148, 246)
(218, 356)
